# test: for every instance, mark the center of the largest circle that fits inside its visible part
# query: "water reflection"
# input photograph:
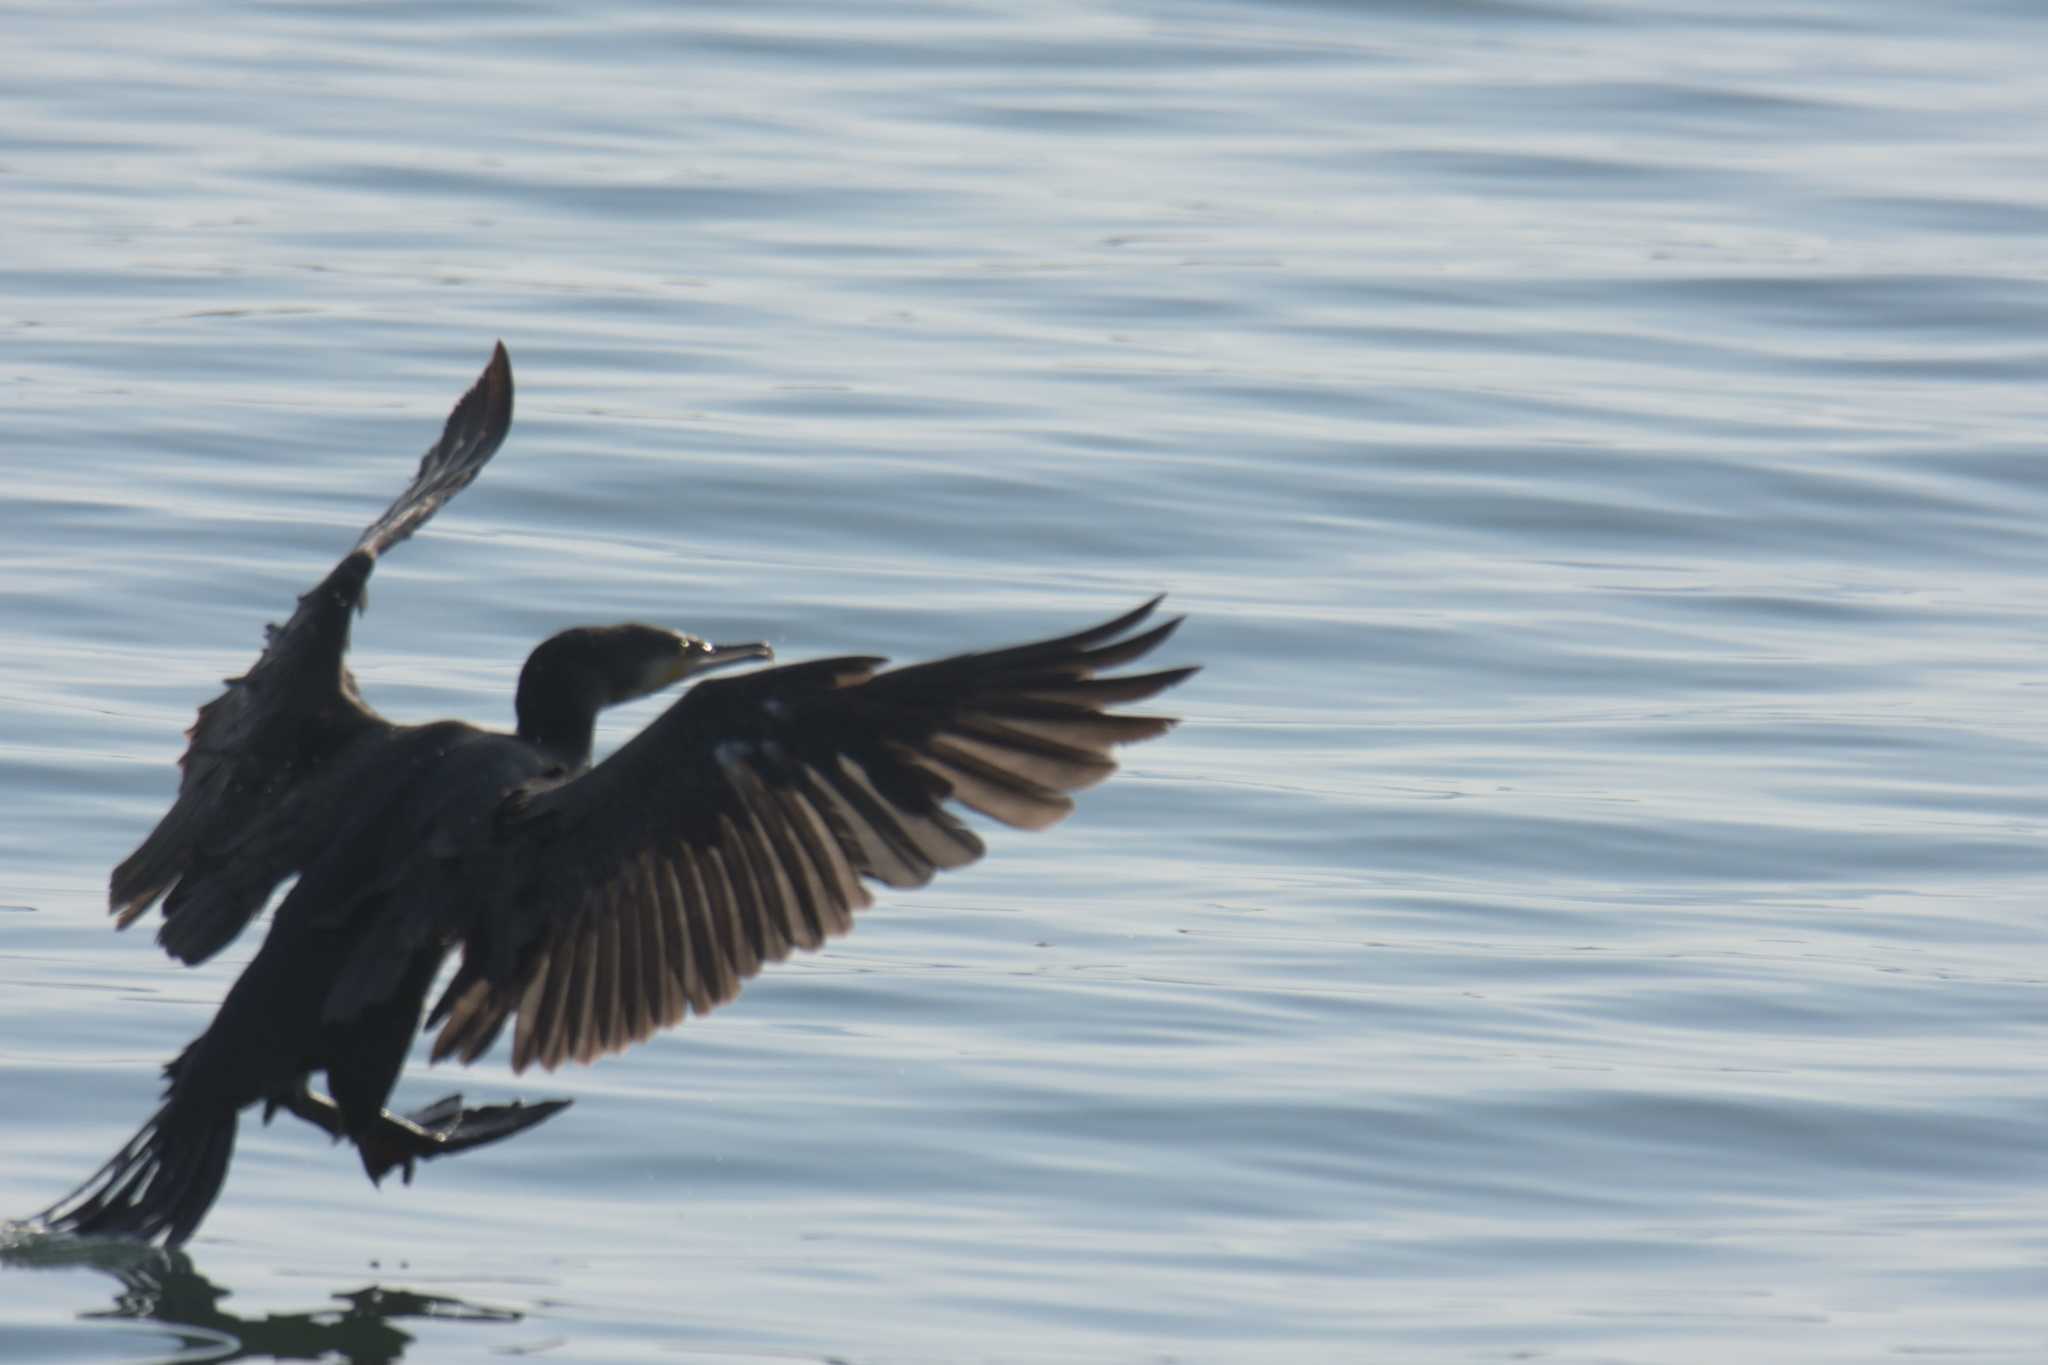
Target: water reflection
(162, 1286)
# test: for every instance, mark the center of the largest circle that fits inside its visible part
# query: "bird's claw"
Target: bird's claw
(402, 1141)
(444, 1128)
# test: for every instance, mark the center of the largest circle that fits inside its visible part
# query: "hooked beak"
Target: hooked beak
(718, 656)
(700, 657)
(693, 656)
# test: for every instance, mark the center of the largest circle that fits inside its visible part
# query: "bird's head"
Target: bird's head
(570, 676)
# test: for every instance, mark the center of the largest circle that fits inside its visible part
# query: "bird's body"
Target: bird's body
(591, 906)
(429, 787)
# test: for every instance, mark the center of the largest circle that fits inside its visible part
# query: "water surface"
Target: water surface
(1592, 911)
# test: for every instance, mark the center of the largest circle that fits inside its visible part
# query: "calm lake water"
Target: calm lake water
(1593, 909)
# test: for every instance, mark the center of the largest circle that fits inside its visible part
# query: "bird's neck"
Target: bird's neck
(558, 716)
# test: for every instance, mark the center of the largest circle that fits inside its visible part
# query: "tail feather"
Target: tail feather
(159, 1185)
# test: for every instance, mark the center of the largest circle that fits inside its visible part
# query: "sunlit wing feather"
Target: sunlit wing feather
(233, 833)
(747, 820)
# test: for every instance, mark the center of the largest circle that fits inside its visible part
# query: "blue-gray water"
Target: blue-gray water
(1593, 909)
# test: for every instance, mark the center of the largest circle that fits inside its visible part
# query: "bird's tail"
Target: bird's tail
(159, 1185)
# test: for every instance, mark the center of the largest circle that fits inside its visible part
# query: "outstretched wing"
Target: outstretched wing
(234, 833)
(474, 431)
(740, 825)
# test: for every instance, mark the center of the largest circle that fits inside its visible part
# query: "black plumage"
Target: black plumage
(591, 906)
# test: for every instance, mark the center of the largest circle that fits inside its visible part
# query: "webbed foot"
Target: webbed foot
(442, 1128)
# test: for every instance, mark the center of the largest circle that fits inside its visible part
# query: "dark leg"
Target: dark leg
(438, 1129)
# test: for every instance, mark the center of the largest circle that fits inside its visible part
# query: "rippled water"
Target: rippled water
(1592, 911)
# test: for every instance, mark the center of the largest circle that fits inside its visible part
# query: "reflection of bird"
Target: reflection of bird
(592, 905)
(162, 1286)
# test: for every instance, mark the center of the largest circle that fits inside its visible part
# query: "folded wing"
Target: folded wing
(746, 821)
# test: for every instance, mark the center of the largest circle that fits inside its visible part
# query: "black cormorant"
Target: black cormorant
(592, 905)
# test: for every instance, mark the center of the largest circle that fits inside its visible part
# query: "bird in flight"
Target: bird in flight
(591, 906)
